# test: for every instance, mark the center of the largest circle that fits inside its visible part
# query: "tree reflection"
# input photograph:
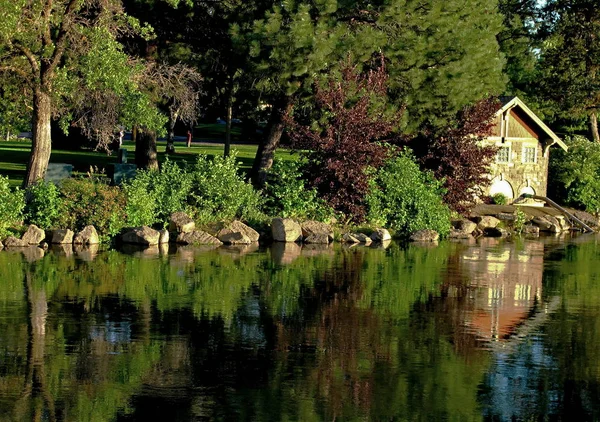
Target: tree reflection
(317, 334)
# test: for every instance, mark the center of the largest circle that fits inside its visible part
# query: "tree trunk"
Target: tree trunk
(594, 127)
(7, 135)
(266, 150)
(228, 117)
(170, 149)
(41, 145)
(146, 156)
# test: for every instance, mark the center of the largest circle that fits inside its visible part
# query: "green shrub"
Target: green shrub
(287, 195)
(152, 196)
(405, 199)
(44, 206)
(499, 199)
(575, 174)
(141, 207)
(89, 201)
(11, 206)
(219, 192)
(520, 221)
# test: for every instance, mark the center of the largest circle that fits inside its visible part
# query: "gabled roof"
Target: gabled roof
(510, 102)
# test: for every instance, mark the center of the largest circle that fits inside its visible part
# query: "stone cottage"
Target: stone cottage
(521, 164)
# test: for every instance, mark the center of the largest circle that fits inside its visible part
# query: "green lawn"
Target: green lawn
(14, 156)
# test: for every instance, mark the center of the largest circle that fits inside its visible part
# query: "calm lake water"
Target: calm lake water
(494, 330)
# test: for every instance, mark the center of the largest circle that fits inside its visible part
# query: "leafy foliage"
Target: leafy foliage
(210, 190)
(154, 195)
(287, 195)
(576, 174)
(44, 205)
(220, 192)
(355, 122)
(570, 57)
(455, 155)
(11, 206)
(89, 201)
(406, 199)
(499, 199)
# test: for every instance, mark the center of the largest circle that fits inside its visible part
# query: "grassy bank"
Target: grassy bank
(14, 156)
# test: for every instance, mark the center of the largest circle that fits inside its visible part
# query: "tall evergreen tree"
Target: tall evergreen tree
(570, 59)
(441, 55)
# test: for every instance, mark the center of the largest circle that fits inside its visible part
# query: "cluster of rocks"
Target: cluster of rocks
(500, 224)
(34, 236)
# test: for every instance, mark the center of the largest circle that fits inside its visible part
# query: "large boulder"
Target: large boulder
(61, 236)
(350, 238)
(141, 236)
(316, 229)
(236, 233)
(164, 236)
(13, 242)
(548, 224)
(34, 235)
(1, 246)
(464, 226)
(285, 230)
(381, 235)
(425, 235)
(486, 222)
(87, 236)
(363, 238)
(180, 222)
(197, 237)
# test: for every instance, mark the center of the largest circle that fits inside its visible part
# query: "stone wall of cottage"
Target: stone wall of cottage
(522, 176)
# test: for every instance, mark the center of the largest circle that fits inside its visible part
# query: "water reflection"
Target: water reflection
(455, 331)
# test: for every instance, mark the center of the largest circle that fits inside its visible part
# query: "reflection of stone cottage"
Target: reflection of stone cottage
(505, 285)
(521, 164)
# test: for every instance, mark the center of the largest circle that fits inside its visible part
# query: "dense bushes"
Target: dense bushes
(400, 196)
(153, 195)
(44, 205)
(406, 199)
(210, 190)
(575, 174)
(11, 206)
(219, 192)
(87, 201)
(287, 195)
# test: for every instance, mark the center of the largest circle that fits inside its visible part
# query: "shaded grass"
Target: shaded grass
(213, 131)
(14, 156)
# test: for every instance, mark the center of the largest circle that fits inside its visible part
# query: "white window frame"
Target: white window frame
(508, 161)
(535, 153)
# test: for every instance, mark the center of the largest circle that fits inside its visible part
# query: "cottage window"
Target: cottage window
(503, 155)
(529, 154)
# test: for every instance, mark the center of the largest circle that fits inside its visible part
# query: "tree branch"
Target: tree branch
(62, 35)
(16, 71)
(35, 66)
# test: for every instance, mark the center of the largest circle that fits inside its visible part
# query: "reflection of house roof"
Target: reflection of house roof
(501, 324)
(511, 102)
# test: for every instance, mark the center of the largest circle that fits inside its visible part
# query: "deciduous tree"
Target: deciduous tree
(456, 156)
(55, 47)
(349, 140)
